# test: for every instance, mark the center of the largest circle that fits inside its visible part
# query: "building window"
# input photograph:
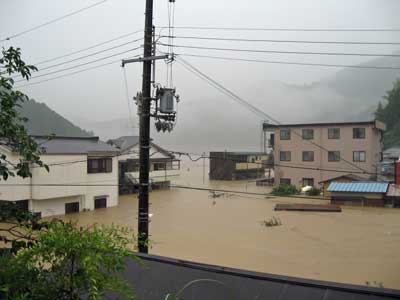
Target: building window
(285, 134)
(333, 133)
(284, 181)
(159, 166)
(358, 133)
(285, 156)
(359, 156)
(99, 165)
(333, 155)
(308, 155)
(308, 181)
(308, 134)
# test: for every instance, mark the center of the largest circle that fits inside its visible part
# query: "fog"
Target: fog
(96, 99)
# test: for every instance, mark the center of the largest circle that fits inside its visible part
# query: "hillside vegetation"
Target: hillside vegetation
(44, 121)
(389, 113)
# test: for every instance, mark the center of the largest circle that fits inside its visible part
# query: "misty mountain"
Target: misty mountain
(43, 121)
(214, 121)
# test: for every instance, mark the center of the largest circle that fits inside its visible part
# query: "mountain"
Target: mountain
(209, 120)
(43, 121)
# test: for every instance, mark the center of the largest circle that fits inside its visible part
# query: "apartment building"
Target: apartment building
(307, 154)
(83, 176)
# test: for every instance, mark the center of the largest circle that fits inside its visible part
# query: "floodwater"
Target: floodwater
(355, 246)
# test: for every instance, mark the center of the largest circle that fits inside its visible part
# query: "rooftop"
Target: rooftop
(377, 124)
(124, 142)
(359, 187)
(73, 145)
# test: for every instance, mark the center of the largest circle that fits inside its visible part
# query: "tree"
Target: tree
(389, 113)
(12, 130)
(66, 262)
(48, 260)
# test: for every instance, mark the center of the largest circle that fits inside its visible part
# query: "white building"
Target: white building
(83, 176)
(163, 165)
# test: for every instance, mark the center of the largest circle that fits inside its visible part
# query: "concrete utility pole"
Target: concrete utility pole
(144, 133)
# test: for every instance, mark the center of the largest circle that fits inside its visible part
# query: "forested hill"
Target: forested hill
(44, 121)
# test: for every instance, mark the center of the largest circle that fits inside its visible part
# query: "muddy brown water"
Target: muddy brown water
(355, 246)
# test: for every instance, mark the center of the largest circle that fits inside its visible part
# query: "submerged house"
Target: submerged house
(237, 165)
(163, 165)
(341, 178)
(360, 193)
(83, 176)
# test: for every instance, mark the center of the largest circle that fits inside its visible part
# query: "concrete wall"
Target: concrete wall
(346, 145)
(55, 206)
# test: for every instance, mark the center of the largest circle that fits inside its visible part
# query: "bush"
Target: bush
(284, 189)
(313, 192)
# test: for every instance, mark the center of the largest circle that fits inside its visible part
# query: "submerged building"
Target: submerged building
(237, 165)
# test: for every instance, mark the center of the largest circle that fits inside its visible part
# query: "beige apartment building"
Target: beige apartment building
(306, 154)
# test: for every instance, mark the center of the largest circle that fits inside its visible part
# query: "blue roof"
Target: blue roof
(359, 187)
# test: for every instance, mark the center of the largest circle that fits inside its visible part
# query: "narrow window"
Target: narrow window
(358, 133)
(285, 156)
(308, 134)
(285, 134)
(359, 156)
(308, 155)
(334, 156)
(308, 181)
(333, 133)
(284, 181)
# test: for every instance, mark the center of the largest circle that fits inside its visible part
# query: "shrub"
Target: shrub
(313, 192)
(284, 189)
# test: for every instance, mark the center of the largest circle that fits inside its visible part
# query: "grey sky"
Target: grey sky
(100, 94)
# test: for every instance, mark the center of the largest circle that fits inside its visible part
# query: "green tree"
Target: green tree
(389, 113)
(12, 130)
(65, 262)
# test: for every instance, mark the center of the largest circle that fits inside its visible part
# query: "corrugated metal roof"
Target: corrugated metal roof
(359, 187)
(154, 277)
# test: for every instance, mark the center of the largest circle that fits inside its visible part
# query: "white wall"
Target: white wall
(13, 193)
(55, 206)
(68, 174)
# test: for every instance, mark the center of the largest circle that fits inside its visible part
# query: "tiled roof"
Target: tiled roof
(359, 187)
(73, 145)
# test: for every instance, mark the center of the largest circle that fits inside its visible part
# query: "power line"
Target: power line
(85, 56)
(72, 73)
(52, 21)
(83, 64)
(289, 63)
(279, 41)
(283, 52)
(287, 29)
(248, 105)
(88, 48)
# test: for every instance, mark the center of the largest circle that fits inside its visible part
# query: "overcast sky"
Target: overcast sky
(100, 94)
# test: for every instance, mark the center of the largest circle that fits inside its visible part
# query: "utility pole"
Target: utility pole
(144, 133)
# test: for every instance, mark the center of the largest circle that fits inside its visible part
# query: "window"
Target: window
(308, 155)
(308, 181)
(284, 181)
(308, 134)
(359, 156)
(285, 156)
(159, 166)
(99, 165)
(100, 203)
(285, 134)
(71, 207)
(333, 155)
(333, 133)
(358, 133)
